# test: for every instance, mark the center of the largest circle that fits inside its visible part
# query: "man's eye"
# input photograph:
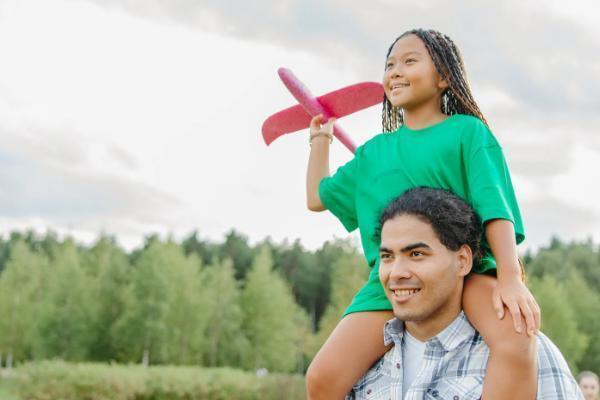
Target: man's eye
(415, 253)
(385, 256)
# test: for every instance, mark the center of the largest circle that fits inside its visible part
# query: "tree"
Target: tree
(20, 285)
(559, 321)
(226, 340)
(108, 267)
(141, 332)
(348, 276)
(586, 305)
(324, 259)
(68, 312)
(188, 316)
(164, 317)
(204, 249)
(237, 249)
(268, 317)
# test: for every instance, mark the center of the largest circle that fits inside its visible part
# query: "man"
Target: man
(588, 382)
(429, 241)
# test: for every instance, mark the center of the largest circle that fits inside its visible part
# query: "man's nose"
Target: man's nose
(400, 270)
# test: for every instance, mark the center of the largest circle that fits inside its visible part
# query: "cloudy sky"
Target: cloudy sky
(133, 117)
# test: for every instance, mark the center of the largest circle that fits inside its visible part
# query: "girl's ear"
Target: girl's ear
(442, 84)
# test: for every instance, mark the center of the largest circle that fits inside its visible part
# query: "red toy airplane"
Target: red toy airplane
(336, 104)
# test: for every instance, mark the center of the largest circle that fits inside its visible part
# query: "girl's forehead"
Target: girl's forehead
(408, 43)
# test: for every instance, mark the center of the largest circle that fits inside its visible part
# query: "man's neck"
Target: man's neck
(434, 324)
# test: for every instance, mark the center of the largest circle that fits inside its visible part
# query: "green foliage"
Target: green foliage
(226, 341)
(231, 304)
(349, 274)
(59, 380)
(585, 303)
(67, 312)
(163, 308)
(8, 389)
(237, 249)
(20, 289)
(109, 269)
(559, 321)
(268, 317)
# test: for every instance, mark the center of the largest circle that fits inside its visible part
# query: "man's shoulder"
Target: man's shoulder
(377, 381)
(555, 380)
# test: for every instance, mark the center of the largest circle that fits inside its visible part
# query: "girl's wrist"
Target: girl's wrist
(507, 273)
(316, 136)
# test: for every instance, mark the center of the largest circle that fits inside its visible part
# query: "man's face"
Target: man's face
(589, 387)
(422, 278)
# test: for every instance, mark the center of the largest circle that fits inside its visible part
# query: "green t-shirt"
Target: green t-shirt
(459, 154)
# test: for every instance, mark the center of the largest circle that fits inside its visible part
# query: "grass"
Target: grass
(8, 389)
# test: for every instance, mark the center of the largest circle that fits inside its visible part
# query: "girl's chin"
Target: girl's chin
(397, 102)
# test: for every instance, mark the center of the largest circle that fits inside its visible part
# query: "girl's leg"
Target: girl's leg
(512, 366)
(353, 346)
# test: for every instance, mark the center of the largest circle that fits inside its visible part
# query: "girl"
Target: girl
(436, 136)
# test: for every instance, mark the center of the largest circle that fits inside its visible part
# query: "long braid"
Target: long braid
(457, 98)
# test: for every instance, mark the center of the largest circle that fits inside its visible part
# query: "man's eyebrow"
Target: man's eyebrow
(414, 246)
(410, 247)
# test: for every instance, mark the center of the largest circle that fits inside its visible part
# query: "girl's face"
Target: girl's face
(411, 79)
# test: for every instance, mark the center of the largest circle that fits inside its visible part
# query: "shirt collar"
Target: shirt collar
(450, 338)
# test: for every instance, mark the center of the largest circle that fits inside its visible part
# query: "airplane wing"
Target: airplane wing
(338, 103)
(285, 121)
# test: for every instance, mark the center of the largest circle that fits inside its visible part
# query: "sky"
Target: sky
(135, 117)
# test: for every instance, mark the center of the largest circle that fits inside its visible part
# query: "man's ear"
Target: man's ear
(465, 260)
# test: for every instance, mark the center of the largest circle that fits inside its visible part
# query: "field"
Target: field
(49, 380)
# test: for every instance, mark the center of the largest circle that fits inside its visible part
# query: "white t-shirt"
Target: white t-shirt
(412, 357)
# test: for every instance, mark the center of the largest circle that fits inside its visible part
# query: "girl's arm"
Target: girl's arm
(510, 289)
(318, 162)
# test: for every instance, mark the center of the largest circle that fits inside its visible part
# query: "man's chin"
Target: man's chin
(408, 314)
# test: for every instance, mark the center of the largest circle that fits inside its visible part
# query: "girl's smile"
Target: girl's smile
(411, 79)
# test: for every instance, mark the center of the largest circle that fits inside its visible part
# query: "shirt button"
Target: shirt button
(434, 393)
(369, 391)
(455, 398)
(398, 365)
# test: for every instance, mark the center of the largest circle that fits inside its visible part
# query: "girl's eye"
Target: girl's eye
(389, 65)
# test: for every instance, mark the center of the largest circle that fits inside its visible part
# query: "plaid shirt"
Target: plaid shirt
(454, 366)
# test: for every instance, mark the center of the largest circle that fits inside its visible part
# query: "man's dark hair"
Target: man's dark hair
(454, 221)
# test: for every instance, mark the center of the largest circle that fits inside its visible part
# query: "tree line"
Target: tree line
(200, 302)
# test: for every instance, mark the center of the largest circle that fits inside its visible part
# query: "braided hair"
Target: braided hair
(457, 98)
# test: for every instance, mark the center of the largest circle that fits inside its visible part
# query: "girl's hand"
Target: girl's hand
(316, 127)
(518, 299)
